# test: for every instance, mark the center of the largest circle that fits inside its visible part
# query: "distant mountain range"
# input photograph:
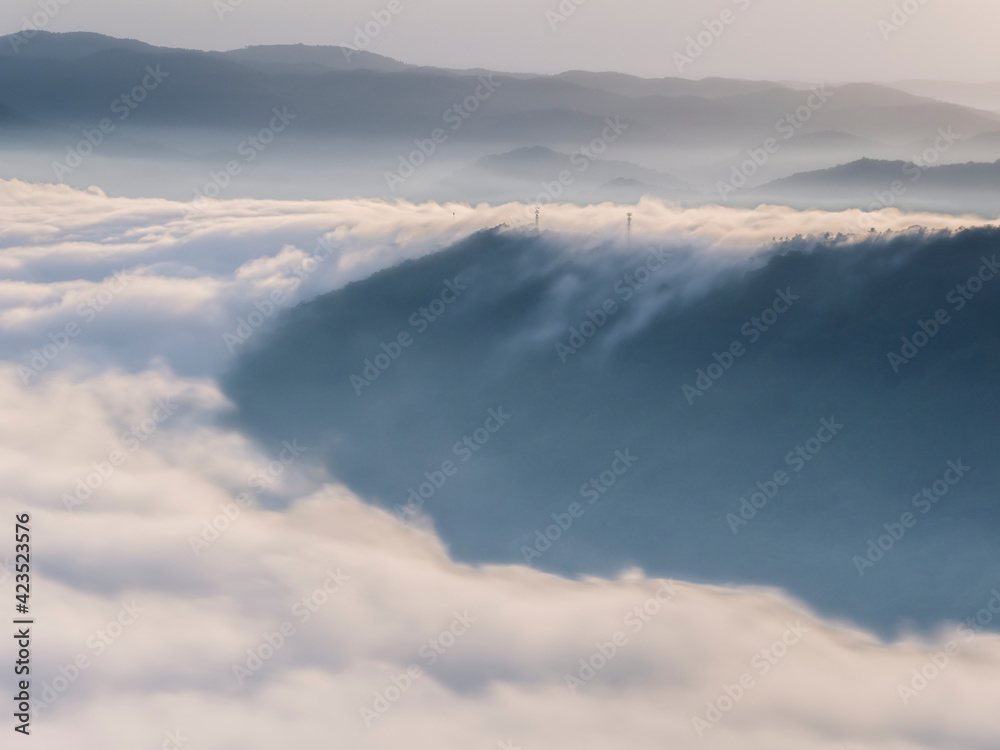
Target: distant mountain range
(275, 58)
(984, 96)
(538, 174)
(870, 184)
(357, 118)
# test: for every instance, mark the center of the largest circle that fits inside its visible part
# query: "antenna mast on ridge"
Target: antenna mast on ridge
(629, 231)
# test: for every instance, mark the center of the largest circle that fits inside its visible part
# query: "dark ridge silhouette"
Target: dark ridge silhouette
(621, 389)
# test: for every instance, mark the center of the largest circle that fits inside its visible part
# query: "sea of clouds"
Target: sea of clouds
(332, 622)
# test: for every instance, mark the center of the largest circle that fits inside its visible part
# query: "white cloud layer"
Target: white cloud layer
(118, 450)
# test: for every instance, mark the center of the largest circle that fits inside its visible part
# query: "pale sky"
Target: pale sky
(809, 40)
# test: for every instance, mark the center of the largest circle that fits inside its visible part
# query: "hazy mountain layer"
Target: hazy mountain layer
(359, 124)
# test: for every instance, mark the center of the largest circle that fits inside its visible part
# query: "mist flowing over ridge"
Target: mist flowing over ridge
(707, 370)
